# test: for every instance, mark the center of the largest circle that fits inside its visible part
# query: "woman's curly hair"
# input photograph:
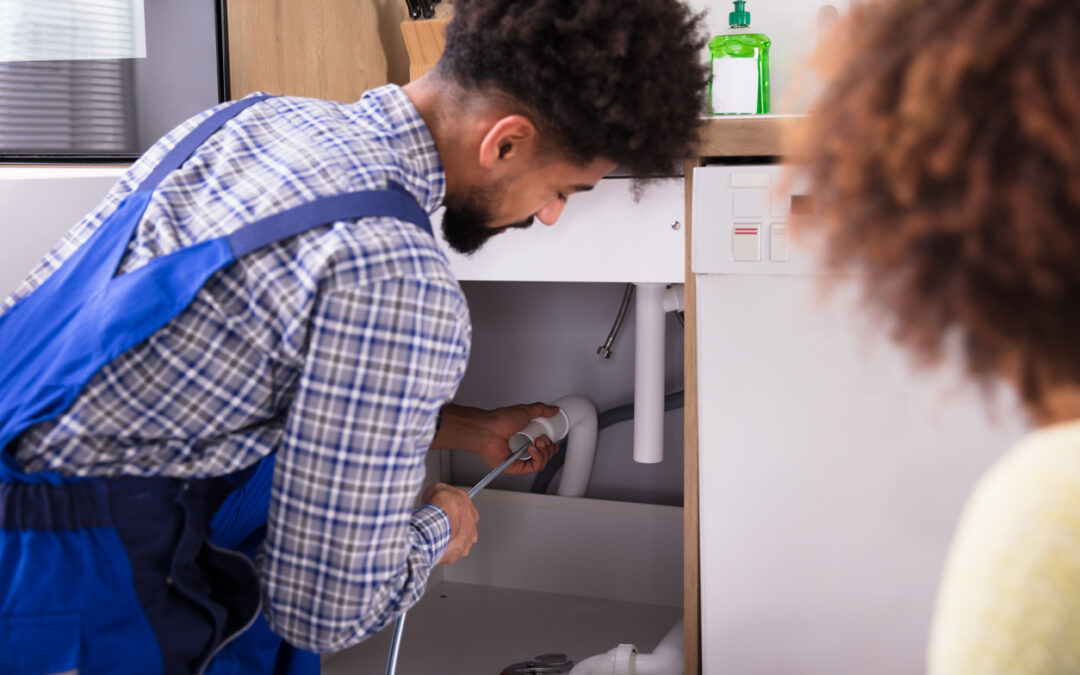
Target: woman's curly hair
(620, 81)
(945, 155)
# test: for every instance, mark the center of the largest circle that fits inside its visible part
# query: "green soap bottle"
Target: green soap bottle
(739, 77)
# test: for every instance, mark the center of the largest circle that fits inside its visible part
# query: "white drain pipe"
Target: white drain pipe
(649, 374)
(624, 659)
(654, 301)
(580, 444)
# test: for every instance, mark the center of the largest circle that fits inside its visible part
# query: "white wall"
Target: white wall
(39, 206)
(793, 27)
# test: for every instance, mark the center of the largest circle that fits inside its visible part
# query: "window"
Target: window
(103, 79)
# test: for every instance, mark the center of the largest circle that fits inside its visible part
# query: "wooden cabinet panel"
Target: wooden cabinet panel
(332, 49)
(691, 523)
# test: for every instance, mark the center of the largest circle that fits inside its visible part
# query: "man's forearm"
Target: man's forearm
(459, 426)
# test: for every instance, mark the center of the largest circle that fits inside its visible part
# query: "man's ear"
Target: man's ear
(512, 137)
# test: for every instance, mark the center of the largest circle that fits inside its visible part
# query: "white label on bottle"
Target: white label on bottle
(734, 85)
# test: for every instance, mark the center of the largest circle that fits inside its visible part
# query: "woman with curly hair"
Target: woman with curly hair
(945, 154)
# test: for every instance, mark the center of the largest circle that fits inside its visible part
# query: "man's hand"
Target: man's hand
(463, 516)
(486, 434)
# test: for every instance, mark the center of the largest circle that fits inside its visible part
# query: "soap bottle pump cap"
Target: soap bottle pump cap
(740, 18)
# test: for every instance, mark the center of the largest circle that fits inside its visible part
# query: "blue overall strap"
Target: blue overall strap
(56, 339)
(48, 370)
(393, 203)
(98, 257)
(34, 325)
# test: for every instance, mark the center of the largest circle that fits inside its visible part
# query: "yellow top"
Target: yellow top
(1009, 600)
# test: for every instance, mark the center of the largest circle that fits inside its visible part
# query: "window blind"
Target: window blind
(66, 75)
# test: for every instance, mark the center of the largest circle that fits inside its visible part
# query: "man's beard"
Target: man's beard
(466, 228)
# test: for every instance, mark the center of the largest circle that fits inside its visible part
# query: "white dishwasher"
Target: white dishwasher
(832, 472)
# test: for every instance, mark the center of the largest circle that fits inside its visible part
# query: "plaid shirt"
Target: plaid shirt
(335, 348)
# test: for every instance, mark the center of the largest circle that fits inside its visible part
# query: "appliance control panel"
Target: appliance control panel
(745, 221)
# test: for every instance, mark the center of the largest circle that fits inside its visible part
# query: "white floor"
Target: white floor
(466, 629)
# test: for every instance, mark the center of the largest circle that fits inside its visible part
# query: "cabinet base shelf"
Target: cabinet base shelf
(468, 628)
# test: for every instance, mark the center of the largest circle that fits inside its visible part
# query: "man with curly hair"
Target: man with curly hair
(251, 343)
(946, 156)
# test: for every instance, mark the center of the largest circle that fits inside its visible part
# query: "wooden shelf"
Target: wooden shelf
(745, 135)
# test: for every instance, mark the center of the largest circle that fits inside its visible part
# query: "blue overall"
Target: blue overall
(136, 574)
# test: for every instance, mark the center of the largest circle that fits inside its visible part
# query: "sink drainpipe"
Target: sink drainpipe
(580, 444)
(667, 659)
(653, 303)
